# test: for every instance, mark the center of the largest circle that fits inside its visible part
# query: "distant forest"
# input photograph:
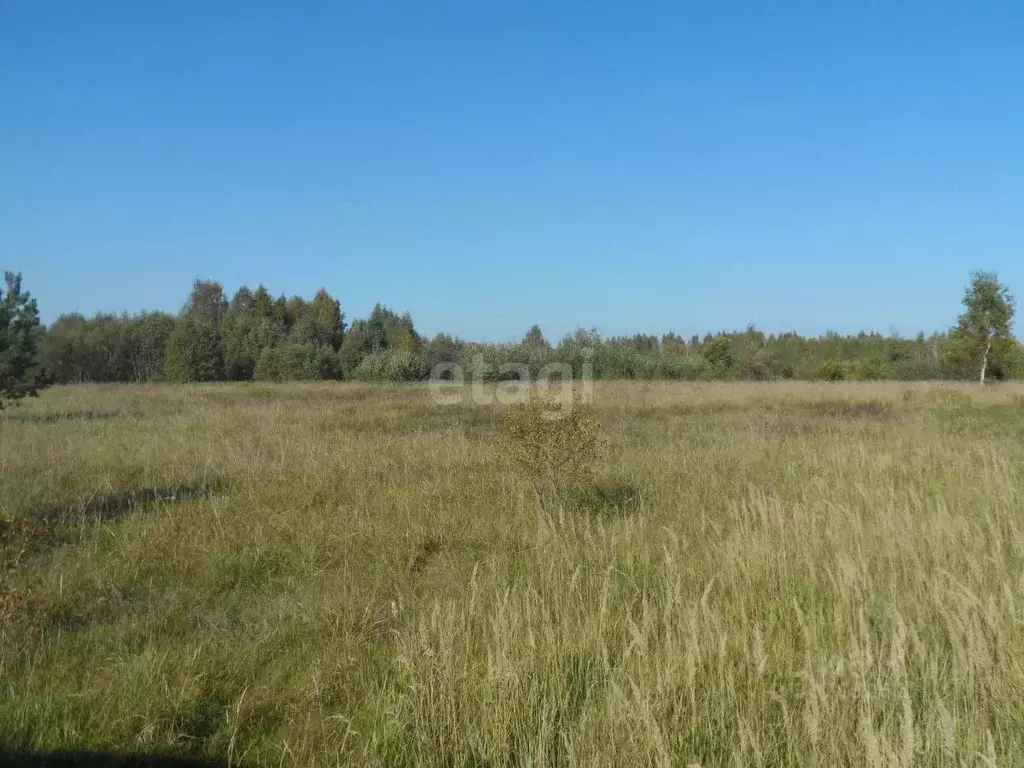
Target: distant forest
(253, 336)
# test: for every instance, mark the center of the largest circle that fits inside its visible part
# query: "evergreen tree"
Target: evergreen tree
(20, 370)
(535, 338)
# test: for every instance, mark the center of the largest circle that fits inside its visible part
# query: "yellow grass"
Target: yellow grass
(804, 575)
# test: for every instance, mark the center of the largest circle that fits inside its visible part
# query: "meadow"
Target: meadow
(339, 574)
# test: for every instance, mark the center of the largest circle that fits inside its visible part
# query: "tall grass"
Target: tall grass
(806, 575)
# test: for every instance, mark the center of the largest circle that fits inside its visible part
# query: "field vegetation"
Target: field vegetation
(338, 573)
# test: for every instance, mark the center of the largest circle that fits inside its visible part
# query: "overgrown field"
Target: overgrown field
(329, 574)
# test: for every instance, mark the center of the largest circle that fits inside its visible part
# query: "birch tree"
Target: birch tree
(987, 320)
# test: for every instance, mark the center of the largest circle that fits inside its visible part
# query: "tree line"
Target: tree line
(254, 336)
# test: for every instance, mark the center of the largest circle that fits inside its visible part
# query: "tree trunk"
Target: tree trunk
(984, 361)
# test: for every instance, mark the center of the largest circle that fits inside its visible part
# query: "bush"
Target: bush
(914, 370)
(554, 446)
(757, 364)
(870, 369)
(617, 361)
(503, 362)
(718, 352)
(830, 370)
(1009, 360)
(297, 362)
(681, 367)
(391, 365)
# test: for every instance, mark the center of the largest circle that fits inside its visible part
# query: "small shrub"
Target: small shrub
(391, 365)
(554, 446)
(870, 369)
(914, 370)
(296, 362)
(681, 367)
(830, 370)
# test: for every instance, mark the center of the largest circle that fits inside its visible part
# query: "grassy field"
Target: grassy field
(783, 574)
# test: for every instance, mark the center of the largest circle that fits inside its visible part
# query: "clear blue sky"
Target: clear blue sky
(489, 164)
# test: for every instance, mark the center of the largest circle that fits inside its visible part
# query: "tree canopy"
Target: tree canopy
(253, 335)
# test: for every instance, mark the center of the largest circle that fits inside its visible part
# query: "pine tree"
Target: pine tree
(20, 371)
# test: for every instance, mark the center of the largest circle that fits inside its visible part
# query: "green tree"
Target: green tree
(534, 338)
(262, 303)
(382, 330)
(194, 350)
(358, 345)
(147, 336)
(673, 344)
(985, 325)
(718, 352)
(280, 313)
(326, 311)
(109, 350)
(63, 351)
(580, 350)
(21, 374)
(440, 350)
(248, 329)
(389, 330)
(319, 322)
(206, 303)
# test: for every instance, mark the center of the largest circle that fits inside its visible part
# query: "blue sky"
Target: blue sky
(487, 165)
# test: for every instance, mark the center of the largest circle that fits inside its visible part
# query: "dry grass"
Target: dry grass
(793, 574)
